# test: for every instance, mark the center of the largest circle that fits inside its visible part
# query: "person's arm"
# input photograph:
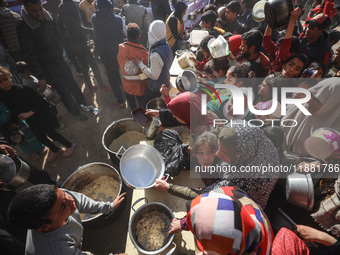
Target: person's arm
(173, 28)
(307, 233)
(329, 8)
(268, 44)
(155, 69)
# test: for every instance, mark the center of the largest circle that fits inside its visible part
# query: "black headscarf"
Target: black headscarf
(179, 9)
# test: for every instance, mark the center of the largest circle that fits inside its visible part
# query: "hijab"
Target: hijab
(250, 147)
(157, 32)
(179, 9)
(226, 221)
(327, 92)
(187, 107)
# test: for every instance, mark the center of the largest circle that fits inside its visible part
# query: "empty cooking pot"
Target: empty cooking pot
(7, 168)
(156, 104)
(187, 81)
(300, 190)
(141, 165)
(278, 12)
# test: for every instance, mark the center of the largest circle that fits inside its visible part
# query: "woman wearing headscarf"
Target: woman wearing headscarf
(175, 26)
(227, 221)
(325, 109)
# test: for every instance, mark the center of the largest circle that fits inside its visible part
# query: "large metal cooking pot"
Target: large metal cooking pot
(141, 165)
(83, 176)
(116, 129)
(277, 12)
(22, 174)
(156, 104)
(187, 81)
(300, 190)
(7, 168)
(148, 207)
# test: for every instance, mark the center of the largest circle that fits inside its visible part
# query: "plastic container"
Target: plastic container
(323, 143)
(258, 11)
(218, 47)
(184, 60)
(140, 116)
(196, 36)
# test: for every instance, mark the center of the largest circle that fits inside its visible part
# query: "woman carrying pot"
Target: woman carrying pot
(175, 26)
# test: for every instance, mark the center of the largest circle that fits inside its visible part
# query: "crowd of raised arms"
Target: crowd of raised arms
(269, 65)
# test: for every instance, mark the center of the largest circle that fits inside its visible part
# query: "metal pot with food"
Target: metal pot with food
(100, 182)
(149, 227)
(141, 165)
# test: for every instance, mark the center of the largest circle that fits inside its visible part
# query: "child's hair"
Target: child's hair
(234, 6)
(275, 135)
(209, 16)
(219, 20)
(220, 64)
(5, 71)
(257, 70)
(317, 66)
(21, 66)
(221, 2)
(206, 138)
(240, 70)
(301, 57)
(334, 36)
(210, 7)
(204, 42)
(208, 67)
(29, 208)
(132, 30)
(253, 38)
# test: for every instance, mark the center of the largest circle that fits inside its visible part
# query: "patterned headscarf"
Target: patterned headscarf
(226, 221)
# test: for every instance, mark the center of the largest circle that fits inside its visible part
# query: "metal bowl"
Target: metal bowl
(300, 190)
(88, 173)
(7, 168)
(192, 15)
(187, 81)
(136, 217)
(141, 165)
(156, 104)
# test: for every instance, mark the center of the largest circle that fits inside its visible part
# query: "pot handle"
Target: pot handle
(137, 201)
(172, 250)
(121, 148)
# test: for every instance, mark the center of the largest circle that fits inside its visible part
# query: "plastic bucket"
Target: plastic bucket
(323, 143)
(218, 47)
(258, 11)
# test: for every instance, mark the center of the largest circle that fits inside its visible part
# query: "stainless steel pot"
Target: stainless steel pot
(300, 190)
(85, 175)
(141, 165)
(7, 168)
(187, 81)
(151, 131)
(22, 173)
(277, 12)
(113, 131)
(156, 104)
(148, 207)
(192, 15)
(53, 97)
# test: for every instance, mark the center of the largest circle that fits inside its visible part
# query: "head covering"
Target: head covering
(187, 107)
(327, 92)
(322, 21)
(104, 4)
(235, 43)
(157, 31)
(252, 149)
(179, 9)
(226, 221)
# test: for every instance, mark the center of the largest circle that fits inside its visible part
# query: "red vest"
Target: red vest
(132, 84)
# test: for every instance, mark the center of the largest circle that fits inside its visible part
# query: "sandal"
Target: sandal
(53, 156)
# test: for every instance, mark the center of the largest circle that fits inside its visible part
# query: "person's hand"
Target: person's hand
(175, 226)
(305, 167)
(162, 185)
(295, 13)
(136, 61)
(312, 235)
(152, 113)
(25, 115)
(119, 200)
(42, 85)
(7, 150)
(338, 74)
(164, 90)
(194, 60)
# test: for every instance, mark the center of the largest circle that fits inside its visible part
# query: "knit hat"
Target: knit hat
(322, 21)
(104, 4)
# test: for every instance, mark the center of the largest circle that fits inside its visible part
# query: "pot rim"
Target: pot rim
(140, 249)
(89, 164)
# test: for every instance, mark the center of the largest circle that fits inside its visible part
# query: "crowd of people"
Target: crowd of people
(233, 213)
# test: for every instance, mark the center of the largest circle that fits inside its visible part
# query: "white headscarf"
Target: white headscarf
(157, 31)
(328, 93)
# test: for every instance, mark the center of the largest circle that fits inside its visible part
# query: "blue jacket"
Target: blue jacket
(164, 50)
(109, 30)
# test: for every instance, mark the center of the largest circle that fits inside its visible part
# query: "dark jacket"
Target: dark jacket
(109, 30)
(69, 23)
(39, 43)
(246, 20)
(164, 50)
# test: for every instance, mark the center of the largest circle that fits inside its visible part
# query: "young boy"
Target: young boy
(52, 218)
(233, 25)
(205, 51)
(208, 21)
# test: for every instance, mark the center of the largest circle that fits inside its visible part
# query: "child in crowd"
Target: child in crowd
(208, 20)
(265, 89)
(205, 51)
(208, 70)
(233, 25)
(237, 73)
(219, 23)
(220, 68)
(335, 70)
(318, 68)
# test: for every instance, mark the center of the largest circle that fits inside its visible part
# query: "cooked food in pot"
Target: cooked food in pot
(127, 139)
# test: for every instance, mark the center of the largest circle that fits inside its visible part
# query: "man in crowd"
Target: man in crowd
(233, 25)
(246, 18)
(160, 9)
(250, 47)
(42, 50)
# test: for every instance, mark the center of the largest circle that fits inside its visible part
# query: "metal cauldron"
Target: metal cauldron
(141, 165)
(300, 190)
(277, 12)
(85, 175)
(116, 129)
(148, 207)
